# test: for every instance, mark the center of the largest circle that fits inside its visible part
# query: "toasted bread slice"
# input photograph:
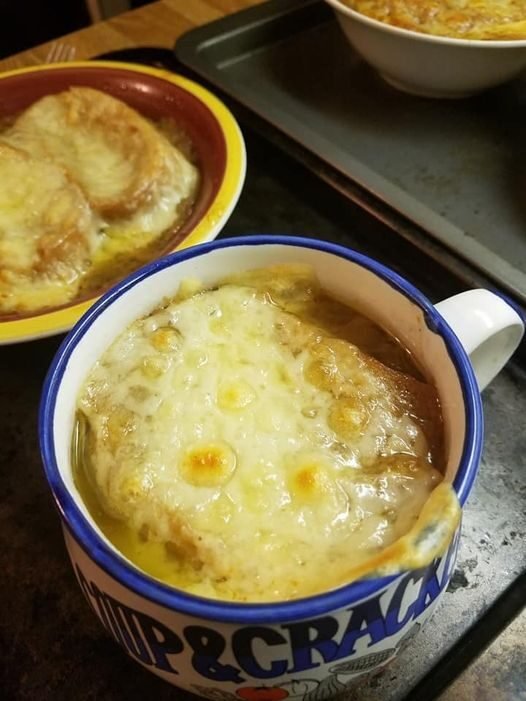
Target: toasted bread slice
(115, 155)
(267, 455)
(47, 233)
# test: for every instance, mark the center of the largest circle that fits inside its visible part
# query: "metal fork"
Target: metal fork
(60, 53)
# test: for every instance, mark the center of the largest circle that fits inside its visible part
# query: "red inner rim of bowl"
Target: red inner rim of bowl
(154, 98)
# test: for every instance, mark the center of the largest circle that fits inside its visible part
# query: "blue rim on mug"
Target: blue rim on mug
(154, 590)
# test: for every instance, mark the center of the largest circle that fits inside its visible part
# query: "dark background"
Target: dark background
(26, 23)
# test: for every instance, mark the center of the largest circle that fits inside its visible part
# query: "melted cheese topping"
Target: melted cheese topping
(462, 19)
(240, 451)
(135, 183)
(47, 232)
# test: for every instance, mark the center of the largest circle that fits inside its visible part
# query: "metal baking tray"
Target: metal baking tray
(455, 169)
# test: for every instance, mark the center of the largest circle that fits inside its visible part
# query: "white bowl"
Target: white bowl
(429, 65)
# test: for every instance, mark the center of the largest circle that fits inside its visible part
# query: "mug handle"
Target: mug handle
(488, 327)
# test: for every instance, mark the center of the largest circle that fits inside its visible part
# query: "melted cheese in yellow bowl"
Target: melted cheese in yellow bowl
(261, 441)
(88, 189)
(460, 19)
(104, 166)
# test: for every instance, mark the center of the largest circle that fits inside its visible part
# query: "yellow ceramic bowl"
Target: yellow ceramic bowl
(156, 94)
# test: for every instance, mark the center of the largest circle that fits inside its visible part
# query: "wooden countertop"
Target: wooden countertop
(158, 24)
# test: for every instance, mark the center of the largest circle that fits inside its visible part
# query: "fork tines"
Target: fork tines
(59, 53)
